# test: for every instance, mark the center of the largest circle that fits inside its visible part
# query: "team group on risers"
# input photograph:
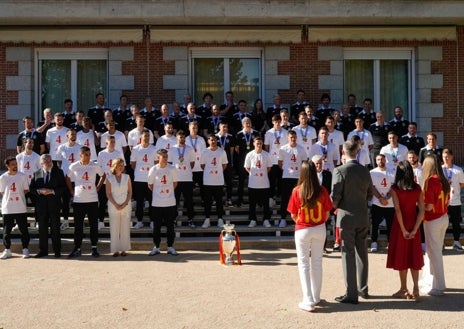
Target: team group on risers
(162, 155)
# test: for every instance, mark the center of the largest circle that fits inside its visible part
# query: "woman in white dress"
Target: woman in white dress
(119, 193)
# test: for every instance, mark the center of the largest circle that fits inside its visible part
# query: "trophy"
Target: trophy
(228, 243)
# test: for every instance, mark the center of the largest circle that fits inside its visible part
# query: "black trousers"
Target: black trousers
(454, 214)
(49, 217)
(228, 174)
(166, 216)
(378, 214)
(258, 195)
(141, 193)
(186, 190)
(8, 222)
(275, 179)
(287, 186)
(66, 198)
(213, 191)
(80, 210)
(197, 177)
(242, 176)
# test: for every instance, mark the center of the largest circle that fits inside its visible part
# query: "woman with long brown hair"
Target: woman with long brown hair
(404, 249)
(309, 206)
(436, 190)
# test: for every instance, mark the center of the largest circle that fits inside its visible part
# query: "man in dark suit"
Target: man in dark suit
(351, 190)
(48, 185)
(325, 179)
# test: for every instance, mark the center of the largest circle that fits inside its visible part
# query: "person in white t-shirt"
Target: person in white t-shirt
(455, 177)
(213, 161)
(291, 156)
(394, 152)
(273, 140)
(83, 174)
(28, 161)
(307, 135)
(168, 139)
(143, 157)
(183, 159)
(13, 188)
(162, 181)
(87, 137)
(367, 142)
(68, 154)
(120, 139)
(383, 178)
(258, 164)
(326, 149)
(335, 136)
(56, 136)
(134, 137)
(198, 144)
(362, 156)
(105, 160)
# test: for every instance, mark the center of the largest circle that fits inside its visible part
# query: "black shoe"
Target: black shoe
(364, 294)
(57, 254)
(95, 253)
(75, 253)
(41, 254)
(346, 300)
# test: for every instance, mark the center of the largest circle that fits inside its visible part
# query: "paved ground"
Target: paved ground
(194, 291)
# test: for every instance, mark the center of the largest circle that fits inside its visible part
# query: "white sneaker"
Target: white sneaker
(64, 225)
(172, 251)
(154, 251)
(6, 254)
(101, 225)
(374, 247)
(220, 223)
(36, 225)
(457, 246)
(229, 203)
(252, 223)
(26, 253)
(15, 228)
(266, 223)
(282, 223)
(306, 307)
(206, 223)
(138, 225)
(152, 225)
(271, 202)
(436, 292)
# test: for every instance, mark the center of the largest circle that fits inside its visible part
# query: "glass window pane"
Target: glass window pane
(55, 84)
(91, 79)
(359, 79)
(208, 77)
(245, 79)
(394, 86)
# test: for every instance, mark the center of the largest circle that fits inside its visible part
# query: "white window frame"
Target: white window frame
(388, 54)
(226, 53)
(73, 55)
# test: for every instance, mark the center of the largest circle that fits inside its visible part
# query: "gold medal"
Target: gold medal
(305, 139)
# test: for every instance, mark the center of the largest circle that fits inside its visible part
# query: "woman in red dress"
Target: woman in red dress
(404, 249)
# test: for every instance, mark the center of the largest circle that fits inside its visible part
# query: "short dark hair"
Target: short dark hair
(9, 159)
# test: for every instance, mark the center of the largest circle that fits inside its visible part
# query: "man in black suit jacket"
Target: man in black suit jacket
(48, 185)
(351, 190)
(325, 179)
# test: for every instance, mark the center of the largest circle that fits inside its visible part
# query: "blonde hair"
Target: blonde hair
(115, 164)
(430, 166)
